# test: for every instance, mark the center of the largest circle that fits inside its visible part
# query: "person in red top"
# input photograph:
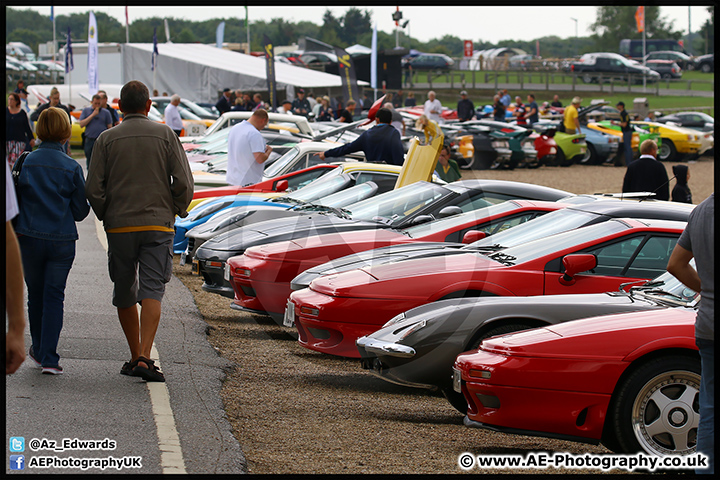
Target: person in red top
(520, 111)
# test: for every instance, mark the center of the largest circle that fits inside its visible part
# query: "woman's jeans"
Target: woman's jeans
(46, 265)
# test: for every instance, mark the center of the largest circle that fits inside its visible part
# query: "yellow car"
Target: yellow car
(677, 142)
(609, 131)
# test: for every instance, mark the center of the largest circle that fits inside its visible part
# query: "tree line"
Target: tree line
(354, 26)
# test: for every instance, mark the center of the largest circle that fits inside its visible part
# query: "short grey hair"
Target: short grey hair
(175, 97)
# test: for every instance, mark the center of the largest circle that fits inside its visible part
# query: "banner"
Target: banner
(346, 70)
(220, 34)
(640, 19)
(270, 72)
(155, 52)
(69, 65)
(373, 59)
(92, 68)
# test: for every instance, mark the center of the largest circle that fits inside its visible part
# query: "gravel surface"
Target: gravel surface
(298, 411)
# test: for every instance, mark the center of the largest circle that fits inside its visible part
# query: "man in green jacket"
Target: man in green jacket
(447, 168)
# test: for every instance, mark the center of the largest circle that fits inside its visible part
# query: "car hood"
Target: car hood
(416, 278)
(614, 337)
(236, 241)
(376, 256)
(236, 217)
(333, 243)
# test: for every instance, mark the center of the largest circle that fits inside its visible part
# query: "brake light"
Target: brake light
(577, 140)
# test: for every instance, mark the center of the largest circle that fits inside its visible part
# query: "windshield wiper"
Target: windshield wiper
(503, 258)
(340, 212)
(663, 292)
(492, 248)
(288, 200)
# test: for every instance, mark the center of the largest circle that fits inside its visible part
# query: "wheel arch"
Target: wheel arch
(496, 323)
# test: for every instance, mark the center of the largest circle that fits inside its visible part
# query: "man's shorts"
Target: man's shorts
(140, 264)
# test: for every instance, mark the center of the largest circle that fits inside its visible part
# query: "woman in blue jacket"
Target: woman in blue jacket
(51, 194)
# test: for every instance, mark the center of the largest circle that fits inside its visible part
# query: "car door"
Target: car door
(631, 258)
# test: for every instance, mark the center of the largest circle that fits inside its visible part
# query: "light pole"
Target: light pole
(576, 32)
(405, 24)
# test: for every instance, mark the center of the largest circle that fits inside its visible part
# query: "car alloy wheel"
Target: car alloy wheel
(667, 151)
(656, 409)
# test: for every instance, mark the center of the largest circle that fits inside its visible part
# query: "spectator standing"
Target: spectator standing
(409, 75)
(325, 113)
(570, 117)
(258, 102)
(345, 115)
(20, 90)
(300, 105)
(138, 181)
(51, 190)
(247, 150)
(556, 102)
(223, 104)
(172, 115)
(519, 112)
(18, 133)
(239, 105)
(627, 132)
(681, 191)
(111, 110)
(53, 101)
(311, 100)
(286, 107)
(650, 117)
(381, 143)
(95, 120)
(532, 110)
(447, 168)
(498, 109)
(397, 100)
(698, 241)
(465, 108)
(647, 174)
(397, 119)
(505, 98)
(433, 107)
(14, 310)
(410, 100)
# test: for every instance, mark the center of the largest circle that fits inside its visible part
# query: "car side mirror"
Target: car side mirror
(472, 236)
(449, 211)
(281, 186)
(422, 219)
(575, 264)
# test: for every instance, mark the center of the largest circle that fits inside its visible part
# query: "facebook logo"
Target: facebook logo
(17, 444)
(17, 462)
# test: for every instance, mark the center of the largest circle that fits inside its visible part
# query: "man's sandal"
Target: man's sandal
(127, 368)
(149, 374)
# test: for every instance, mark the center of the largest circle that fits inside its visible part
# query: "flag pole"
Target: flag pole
(55, 52)
(127, 26)
(247, 28)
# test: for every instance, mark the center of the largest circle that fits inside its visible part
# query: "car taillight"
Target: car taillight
(578, 140)
(242, 272)
(572, 68)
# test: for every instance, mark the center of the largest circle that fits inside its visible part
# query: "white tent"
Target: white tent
(199, 72)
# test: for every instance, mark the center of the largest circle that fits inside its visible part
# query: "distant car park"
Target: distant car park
(666, 68)
(684, 61)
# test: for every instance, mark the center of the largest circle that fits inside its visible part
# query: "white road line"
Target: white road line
(171, 456)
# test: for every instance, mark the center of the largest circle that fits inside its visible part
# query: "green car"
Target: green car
(570, 148)
(653, 133)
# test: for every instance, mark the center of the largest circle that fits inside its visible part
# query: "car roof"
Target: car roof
(349, 167)
(650, 210)
(654, 223)
(509, 187)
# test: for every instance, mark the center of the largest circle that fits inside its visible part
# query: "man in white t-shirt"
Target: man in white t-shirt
(172, 115)
(433, 107)
(247, 150)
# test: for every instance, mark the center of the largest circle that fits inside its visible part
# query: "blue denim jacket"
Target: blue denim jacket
(51, 194)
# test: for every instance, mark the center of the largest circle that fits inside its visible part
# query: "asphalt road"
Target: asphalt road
(176, 427)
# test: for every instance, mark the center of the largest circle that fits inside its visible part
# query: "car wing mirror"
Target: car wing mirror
(575, 264)
(473, 236)
(449, 211)
(281, 186)
(422, 219)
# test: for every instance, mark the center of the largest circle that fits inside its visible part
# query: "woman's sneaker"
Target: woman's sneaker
(58, 370)
(31, 354)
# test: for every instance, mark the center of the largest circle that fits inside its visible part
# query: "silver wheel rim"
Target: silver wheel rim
(586, 158)
(664, 151)
(665, 415)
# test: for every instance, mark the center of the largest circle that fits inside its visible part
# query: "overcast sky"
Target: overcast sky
(490, 24)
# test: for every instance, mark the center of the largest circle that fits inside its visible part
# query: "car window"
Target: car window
(282, 163)
(384, 181)
(394, 206)
(652, 258)
(300, 180)
(613, 258)
(506, 223)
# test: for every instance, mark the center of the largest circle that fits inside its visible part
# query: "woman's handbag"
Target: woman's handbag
(17, 168)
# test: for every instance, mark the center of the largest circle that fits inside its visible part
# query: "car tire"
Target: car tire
(559, 158)
(666, 75)
(589, 156)
(673, 381)
(667, 151)
(705, 68)
(587, 78)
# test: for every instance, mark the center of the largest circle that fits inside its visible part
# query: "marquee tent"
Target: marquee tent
(199, 72)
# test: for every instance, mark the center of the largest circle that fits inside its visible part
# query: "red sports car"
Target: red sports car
(261, 276)
(628, 380)
(338, 309)
(289, 181)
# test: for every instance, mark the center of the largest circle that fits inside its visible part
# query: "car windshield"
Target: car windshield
(319, 188)
(220, 134)
(667, 287)
(532, 250)
(199, 110)
(186, 114)
(705, 117)
(442, 224)
(550, 224)
(393, 206)
(218, 141)
(282, 162)
(348, 196)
